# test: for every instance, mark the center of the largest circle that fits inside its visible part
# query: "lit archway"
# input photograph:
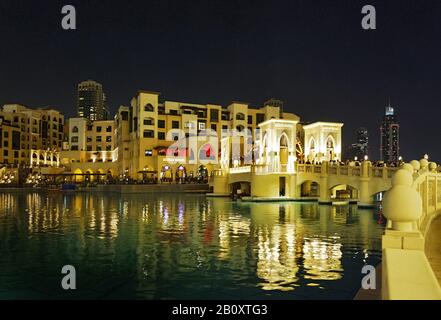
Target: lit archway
(330, 148)
(310, 188)
(78, 175)
(283, 151)
(343, 192)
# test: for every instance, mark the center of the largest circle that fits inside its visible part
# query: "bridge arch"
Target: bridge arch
(310, 188)
(241, 187)
(344, 191)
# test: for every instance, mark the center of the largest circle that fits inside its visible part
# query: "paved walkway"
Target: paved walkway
(433, 247)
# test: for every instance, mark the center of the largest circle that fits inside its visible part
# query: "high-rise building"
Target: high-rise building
(390, 137)
(360, 149)
(91, 101)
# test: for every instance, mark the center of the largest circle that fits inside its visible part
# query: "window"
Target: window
(15, 154)
(214, 115)
(172, 111)
(148, 153)
(75, 129)
(98, 148)
(213, 127)
(89, 139)
(89, 148)
(74, 139)
(108, 147)
(148, 121)
(189, 125)
(161, 135)
(6, 134)
(260, 117)
(224, 127)
(175, 136)
(175, 124)
(5, 153)
(149, 134)
(109, 129)
(201, 125)
(240, 116)
(5, 144)
(98, 139)
(250, 119)
(74, 148)
(161, 124)
(99, 129)
(125, 115)
(149, 108)
(109, 139)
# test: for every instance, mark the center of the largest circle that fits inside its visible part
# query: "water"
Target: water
(182, 247)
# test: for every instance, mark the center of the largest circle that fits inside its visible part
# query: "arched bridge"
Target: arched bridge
(327, 182)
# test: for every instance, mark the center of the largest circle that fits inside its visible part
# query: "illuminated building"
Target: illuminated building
(91, 101)
(390, 137)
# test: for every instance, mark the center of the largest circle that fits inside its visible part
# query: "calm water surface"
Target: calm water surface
(182, 247)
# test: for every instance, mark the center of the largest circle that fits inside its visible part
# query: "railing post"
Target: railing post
(402, 206)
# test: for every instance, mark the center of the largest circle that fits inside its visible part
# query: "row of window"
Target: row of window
(89, 148)
(34, 121)
(90, 128)
(89, 139)
(214, 114)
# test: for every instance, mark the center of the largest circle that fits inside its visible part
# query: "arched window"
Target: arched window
(283, 141)
(75, 129)
(312, 144)
(330, 143)
(148, 107)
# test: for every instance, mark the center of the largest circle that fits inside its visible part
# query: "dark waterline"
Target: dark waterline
(182, 247)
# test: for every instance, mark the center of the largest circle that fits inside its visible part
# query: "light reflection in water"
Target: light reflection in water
(178, 246)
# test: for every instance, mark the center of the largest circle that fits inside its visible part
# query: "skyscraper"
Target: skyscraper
(360, 148)
(390, 136)
(91, 101)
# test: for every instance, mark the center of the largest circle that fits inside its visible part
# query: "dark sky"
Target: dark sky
(311, 54)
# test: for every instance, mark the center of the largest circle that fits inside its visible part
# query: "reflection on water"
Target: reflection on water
(182, 246)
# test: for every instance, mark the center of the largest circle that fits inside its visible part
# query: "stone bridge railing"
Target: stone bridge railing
(410, 206)
(348, 170)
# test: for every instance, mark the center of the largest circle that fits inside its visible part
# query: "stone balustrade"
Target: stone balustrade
(410, 205)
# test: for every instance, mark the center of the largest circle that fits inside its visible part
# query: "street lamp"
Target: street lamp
(426, 156)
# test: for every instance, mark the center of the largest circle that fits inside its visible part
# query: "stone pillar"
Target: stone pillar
(220, 183)
(292, 187)
(403, 207)
(365, 198)
(324, 187)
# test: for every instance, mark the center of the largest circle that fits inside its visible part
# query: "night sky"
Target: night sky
(311, 54)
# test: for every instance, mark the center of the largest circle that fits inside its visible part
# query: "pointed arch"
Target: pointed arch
(284, 140)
